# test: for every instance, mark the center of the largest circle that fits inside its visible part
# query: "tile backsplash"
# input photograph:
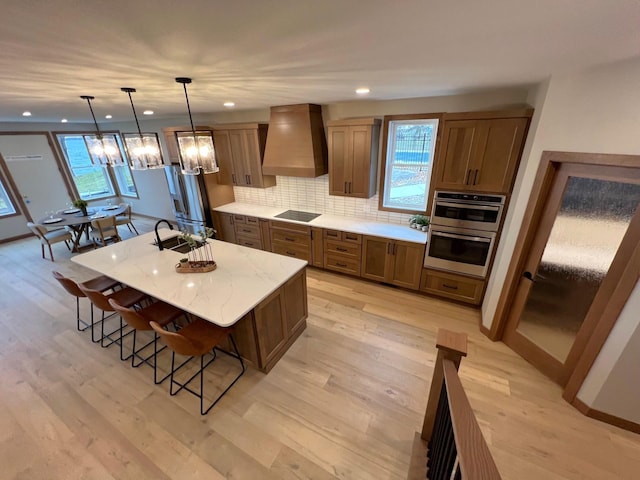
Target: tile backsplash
(312, 194)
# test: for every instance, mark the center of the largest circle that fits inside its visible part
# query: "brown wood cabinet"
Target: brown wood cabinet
(265, 333)
(291, 239)
(451, 285)
(317, 247)
(248, 231)
(480, 154)
(353, 156)
(392, 261)
(240, 150)
(224, 225)
(342, 251)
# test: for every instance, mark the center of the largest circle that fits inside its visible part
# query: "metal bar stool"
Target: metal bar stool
(101, 283)
(126, 297)
(197, 339)
(160, 312)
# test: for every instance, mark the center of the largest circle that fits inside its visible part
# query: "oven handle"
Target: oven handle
(468, 205)
(461, 237)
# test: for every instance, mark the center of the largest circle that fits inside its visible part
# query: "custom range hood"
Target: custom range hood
(296, 144)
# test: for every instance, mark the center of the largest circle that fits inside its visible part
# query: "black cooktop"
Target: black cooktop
(297, 215)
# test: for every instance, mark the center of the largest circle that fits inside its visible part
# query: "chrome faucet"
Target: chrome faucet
(160, 246)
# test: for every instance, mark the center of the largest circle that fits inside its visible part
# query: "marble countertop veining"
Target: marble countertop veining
(335, 222)
(243, 278)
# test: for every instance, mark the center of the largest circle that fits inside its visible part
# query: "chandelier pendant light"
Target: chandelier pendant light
(103, 148)
(143, 149)
(196, 148)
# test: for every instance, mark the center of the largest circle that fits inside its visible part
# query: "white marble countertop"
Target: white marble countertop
(346, 224)
(243, 278)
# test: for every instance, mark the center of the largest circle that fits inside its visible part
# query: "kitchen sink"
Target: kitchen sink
(177, 244)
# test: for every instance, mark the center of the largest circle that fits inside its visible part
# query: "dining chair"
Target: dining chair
(49, 237)
(126, 297)
(196, 340)
(104, 230)
(160, 312)
(125, 218)
(101, 283)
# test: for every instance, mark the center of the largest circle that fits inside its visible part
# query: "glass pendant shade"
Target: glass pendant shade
(197, 152)
(143, 150)
(104, 150)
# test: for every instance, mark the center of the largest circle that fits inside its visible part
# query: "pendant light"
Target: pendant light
(143, 149)
(196, 148)
(103, 148)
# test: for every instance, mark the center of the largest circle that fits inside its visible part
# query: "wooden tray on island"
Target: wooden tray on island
(196, 267)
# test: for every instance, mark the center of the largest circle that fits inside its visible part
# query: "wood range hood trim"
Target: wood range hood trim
(296, 143)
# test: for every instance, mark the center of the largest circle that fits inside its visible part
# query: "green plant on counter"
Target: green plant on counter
(419, 220)
(79, 203)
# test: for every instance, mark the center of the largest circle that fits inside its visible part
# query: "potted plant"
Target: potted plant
(419, 222)
(82, 205)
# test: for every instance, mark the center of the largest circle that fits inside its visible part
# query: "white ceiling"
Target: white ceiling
(259, 53)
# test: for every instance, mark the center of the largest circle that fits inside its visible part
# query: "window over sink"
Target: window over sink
(408, 154)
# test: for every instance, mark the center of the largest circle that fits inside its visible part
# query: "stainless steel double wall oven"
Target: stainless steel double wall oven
(463, 231)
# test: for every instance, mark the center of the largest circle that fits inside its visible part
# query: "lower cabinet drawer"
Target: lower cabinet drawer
(343, 248)
(454, 286)
(293, 238)
(249, 242)
(342, 264)
(296, 251)
(248, 230)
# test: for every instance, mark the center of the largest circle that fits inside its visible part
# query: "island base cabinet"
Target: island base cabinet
(267, 332)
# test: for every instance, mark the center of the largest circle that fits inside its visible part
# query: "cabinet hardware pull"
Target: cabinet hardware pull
(345, 187)
(395, 248)
(348, 237)
(248, 178)
(233, 178)
(231, 220)
(475, 177)
(288, 239)
(449, 286)
(343, 265)
(466, 182)
(332, 234)
(349, 187)
(340, 249)
(290, 253)
(246, 230)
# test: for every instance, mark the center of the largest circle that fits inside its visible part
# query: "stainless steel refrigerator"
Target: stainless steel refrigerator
(189, 200)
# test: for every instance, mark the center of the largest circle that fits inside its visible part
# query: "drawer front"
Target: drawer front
(291, 238)
(295, 251)
(333, 234)
(343, 248)
(239, 219)
(342, 264)
(452, 286)
(352, 237)
(291, 226)
(250, 242)
(247, 230)
(253, 221)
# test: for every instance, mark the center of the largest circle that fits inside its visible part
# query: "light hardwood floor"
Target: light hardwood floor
(344, 402)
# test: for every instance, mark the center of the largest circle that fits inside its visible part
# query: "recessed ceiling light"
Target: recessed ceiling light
(64, 120)
(148, 112)
(108, 116)
(362, 91)
(26, 114)
(229, 104)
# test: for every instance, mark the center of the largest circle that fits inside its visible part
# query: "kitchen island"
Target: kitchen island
(262, 294)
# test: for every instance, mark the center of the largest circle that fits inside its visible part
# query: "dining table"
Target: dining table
(77, 222)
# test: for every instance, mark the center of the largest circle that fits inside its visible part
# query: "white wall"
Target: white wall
(593, 111)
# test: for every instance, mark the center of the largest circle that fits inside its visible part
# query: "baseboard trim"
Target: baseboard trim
(605, 417)
(13, 239)
(485, 331)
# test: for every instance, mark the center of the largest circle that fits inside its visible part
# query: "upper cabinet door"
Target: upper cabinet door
(224, 158)
(338, 160)
(360, 162)
(497, 154)
(455, 163)
(239, 153)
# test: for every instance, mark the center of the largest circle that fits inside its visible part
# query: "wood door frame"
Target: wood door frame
(549, 165)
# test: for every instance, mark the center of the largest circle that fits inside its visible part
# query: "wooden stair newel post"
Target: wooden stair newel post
(451, 346)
